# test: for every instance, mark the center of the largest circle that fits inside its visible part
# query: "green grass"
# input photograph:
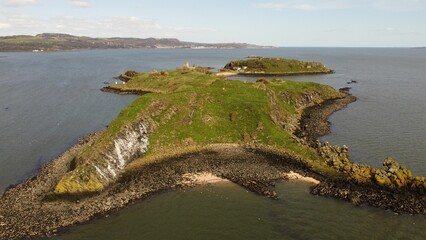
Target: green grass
(169, 82)
(29, 40)
(201, 105)
(277, 65)
(190, 109)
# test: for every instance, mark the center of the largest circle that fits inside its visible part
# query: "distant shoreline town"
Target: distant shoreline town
(54, 42)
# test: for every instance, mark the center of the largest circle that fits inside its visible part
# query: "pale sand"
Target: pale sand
(297, 177)
(202, 178)
(226, 74)
(209, 178)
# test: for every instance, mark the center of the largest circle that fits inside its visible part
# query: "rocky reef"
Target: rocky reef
(392, 175)
(390, 187)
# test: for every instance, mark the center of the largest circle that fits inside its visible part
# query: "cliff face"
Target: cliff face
(92, 176)
(131, 145)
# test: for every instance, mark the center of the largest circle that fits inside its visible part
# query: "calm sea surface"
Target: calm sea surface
(49, 100)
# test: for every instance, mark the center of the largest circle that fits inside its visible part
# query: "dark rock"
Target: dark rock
(263, 80)
(345, 89)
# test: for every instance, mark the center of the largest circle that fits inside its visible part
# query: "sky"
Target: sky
(290, 23)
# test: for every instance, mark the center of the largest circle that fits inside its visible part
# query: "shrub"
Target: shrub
(130, 73)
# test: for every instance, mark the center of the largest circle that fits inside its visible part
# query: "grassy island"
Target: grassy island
(275, 66)
(188, 109)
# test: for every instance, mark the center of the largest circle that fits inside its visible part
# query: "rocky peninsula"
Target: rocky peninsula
(189, 121)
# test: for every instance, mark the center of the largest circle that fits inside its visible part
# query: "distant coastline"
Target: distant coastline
(58, 42)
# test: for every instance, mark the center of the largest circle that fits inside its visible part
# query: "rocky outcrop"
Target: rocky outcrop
(95, 174)
(390, 187)
(129, 74)
(131, 145)
(392, 176)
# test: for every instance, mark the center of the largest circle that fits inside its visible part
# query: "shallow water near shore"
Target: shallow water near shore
(226, 211)
(49, 100)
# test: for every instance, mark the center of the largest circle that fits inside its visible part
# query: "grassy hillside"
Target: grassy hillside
(66, 42)
(189, 109)
(207, 110)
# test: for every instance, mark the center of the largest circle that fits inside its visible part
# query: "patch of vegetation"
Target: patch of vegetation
(276, 66)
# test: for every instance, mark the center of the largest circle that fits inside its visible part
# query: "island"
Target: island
(267, 66)
(189, 122)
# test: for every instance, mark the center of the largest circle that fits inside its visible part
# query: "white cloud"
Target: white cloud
(118, 26)
(305, 5)
(400, 6)
(275, 6)
(311, 5)
(4, 25)
(16, 3)
(80, 3)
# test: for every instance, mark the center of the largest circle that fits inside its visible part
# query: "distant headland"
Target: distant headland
(54, 42)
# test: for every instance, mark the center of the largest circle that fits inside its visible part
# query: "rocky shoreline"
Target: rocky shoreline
(121, 92)
(260, 74)
(314, 123)
(373, 195)
(32, 210)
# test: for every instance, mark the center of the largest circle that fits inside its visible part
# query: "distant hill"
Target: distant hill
(66, 42)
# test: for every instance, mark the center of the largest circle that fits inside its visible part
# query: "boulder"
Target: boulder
(396, 175)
